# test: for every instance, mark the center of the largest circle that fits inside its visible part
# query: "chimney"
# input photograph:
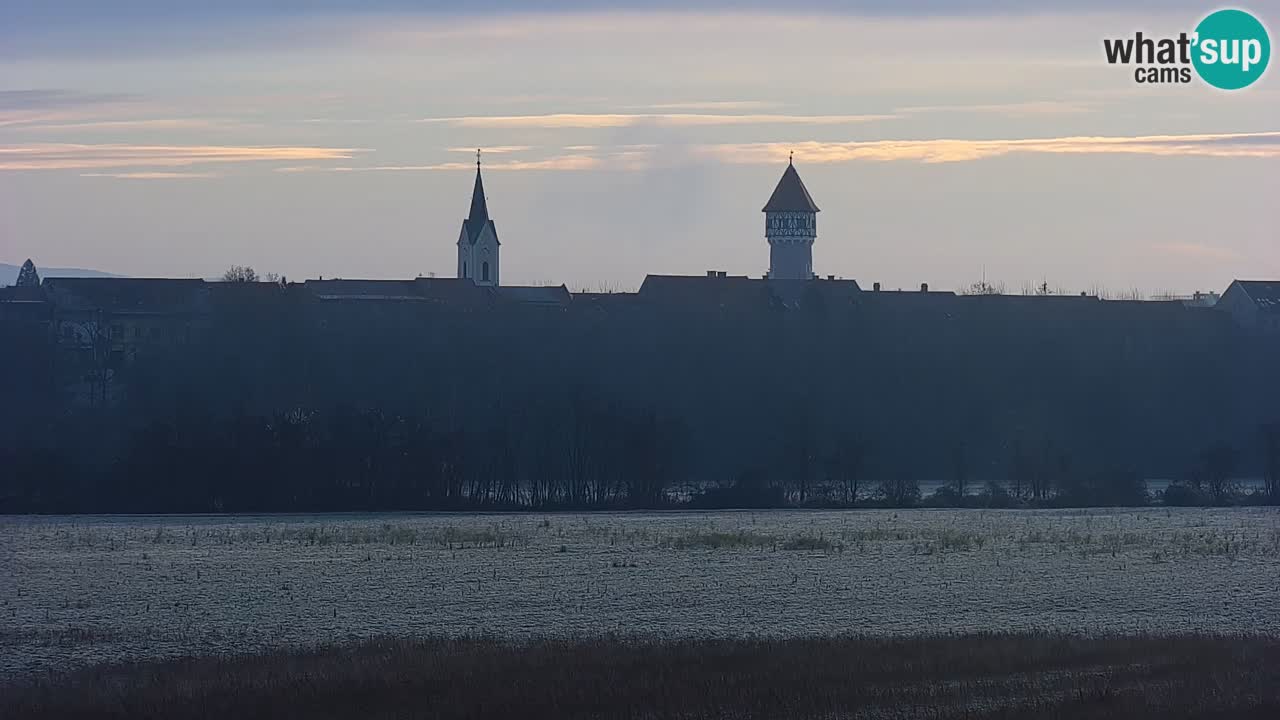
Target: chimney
(711, 273)
(831, 277)
(924, 287)
(875, 287)
(722, 273)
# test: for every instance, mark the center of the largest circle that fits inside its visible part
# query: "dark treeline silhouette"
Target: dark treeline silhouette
(286, 403)
(347, 460)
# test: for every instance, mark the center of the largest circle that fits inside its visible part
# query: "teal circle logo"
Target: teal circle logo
(1231, 49)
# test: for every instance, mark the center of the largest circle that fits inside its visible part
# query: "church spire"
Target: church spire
(479, 208)
(478, 244)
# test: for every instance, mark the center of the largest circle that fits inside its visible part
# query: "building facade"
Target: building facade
(1253, 304)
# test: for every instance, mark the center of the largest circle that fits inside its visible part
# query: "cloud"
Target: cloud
(52, 11)
(627, 156)
(647, 156)
(563, 162)
(618, 120)
(491, 149)
(59, 111)
(1032, 108)
(167, 29)
(45, 98)
(58, 156)
(137, 124)
(707, 105)
(1198, 252)
(19, 108)
(1257, 145)
(151, 175)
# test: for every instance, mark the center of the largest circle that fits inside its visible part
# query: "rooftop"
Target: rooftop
(790, 195)
(458, 291)
(740, 292)
(1264, 293)
(128, 294)
(478, 218)
(536, 295)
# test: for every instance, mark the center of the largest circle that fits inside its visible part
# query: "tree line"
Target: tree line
(574, 455)
(289, 404)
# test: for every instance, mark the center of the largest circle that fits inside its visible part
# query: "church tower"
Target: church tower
(478, 244)
(790, 226)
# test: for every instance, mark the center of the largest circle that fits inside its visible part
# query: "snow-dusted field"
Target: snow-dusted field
(83, 589)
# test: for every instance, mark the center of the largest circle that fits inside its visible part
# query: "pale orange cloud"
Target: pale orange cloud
(152, 175)
(708, 105)
(64, 156)
(20, 118)
(643, 156)
(638, 156)
(1258, 145)
(614, 120)
(1196, 251)
(138, 124)
(492, 149)
(1016, 109)
(564, 162)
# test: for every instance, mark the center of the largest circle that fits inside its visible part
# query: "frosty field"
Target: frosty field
(86, 589)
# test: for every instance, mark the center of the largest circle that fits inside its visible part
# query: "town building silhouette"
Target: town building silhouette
(763, 381)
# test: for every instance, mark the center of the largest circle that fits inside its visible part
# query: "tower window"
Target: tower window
(484, 272)
(464, 269)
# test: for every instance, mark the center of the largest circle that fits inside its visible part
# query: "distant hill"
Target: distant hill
(9, 273)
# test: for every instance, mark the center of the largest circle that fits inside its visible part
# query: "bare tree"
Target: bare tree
(995, 494)
(1217, 466)
(648, 453)
(899, 490)
(1271, 460)
(1021, 470)
(982, 287)
(240, 273)
(1042, 289)
(960, 470)
(1047, 470)
(796, 460)
(93, 334)
(845, 467)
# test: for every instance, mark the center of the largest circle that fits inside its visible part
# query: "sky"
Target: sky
(945, 141)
